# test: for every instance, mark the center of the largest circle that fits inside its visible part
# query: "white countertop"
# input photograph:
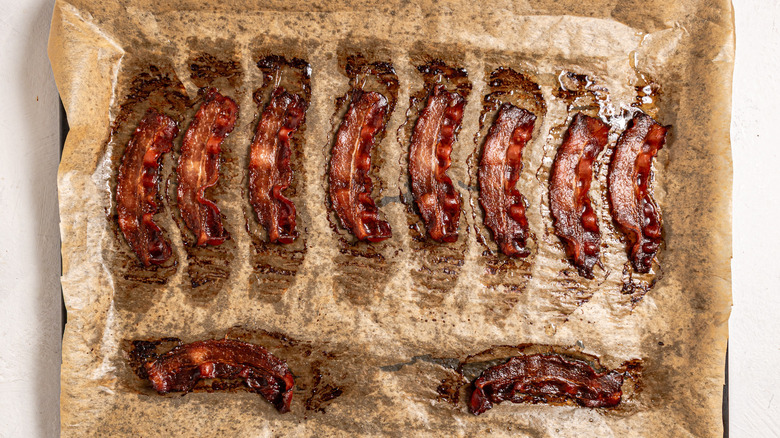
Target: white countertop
(29, 238)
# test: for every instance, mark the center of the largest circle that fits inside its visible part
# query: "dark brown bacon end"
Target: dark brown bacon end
(181, 368)
(429, 159)
(575, 221)
(137, 187)
(546, 378)
(633, 209)
(499, 171)
(269, 165)
(199, 167)
(350, 185)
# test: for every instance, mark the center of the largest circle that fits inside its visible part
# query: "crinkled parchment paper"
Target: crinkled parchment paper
(368, 321)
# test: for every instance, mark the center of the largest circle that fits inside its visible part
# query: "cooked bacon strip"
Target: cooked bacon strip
(634, 210)
(136, 187)
(350, 185)
(499, 170)
(199, 167)
(546, 377)
(429, 159)
(575, 221)
(269, 165)
(181, 368)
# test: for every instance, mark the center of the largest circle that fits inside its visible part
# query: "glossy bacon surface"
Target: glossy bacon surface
(574, 219)
(181, 368)
(350, 186)
(137, 188)
(429, 159)
(633, 208)
(269, 165)
(499, 171)
(199, 167)
(545, 378)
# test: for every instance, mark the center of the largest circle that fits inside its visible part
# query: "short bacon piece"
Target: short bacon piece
(575, 221)
(499, 171)
(545, 378)
(269, 165)
(429, 159)
(137, 187)
(633, 209)
(350, 185)
(181, 368)
(199, 167)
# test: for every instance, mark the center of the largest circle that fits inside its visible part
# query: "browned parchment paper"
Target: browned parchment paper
(386, 325)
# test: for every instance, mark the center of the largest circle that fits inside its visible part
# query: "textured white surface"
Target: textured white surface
(29, 232)
(754, 345)
(29, 236)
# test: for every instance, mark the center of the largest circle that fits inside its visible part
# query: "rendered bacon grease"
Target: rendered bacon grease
(137, 188)
(349, 183)
(181, 368)
(429, 159)
(269, 165)
(572, 171)
(499, 171)
(546, 378)
(199, 167)
(633, 208)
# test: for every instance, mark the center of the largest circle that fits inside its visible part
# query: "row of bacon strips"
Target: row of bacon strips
(631, 205)
(536, 377)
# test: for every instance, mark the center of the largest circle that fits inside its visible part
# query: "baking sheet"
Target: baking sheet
(678, 329)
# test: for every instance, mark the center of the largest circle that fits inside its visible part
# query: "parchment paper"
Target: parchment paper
(363, 318)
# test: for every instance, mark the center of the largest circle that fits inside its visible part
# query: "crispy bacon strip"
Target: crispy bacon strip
(137, 187)
(269, 165)
(199, 167)
(633, 209)
(575, 221)
(545, 378)
(499, 171)
(181, 368)
(429, 159)
(350, 185)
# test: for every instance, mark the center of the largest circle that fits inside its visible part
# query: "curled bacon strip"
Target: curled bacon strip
(575, 221)
(499, 171)
(199, 167)
(137, 187)
(541, 377)
(429, 159)
(633, 209)
(181, 368)
(269, 165)
(350, 185)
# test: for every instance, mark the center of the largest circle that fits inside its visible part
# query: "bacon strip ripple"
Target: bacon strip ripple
(181, 368)
(572, 171)
(633, 209)
(199, 167)
(499, 171)
(269, 165)
(429, 159)
(545, 378)
(137, 187)
(350, 185)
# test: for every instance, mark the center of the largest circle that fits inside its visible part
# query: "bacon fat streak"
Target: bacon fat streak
(546, 378)
(633, 208)
(572, 171)
(429, 159)
(181, 368)
(137, 187)
(199, 167)
(269, 165)
(499, 171)
(349, 183)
